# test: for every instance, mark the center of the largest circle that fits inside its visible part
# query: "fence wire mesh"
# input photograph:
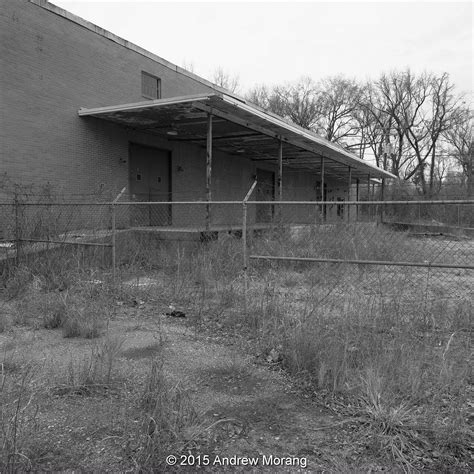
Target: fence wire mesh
(383, 248)
(348, 297)
(375, 245)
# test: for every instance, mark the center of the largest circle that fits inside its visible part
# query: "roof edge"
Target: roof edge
(220, 91)
(84, 112)
(309, 134)
(46, 5)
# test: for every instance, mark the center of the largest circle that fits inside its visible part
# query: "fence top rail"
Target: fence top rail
(362, 262)
(150, 203)
(369, 203)
(332, 203)
(79, 203)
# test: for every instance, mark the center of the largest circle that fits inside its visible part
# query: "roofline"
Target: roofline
(274, 119)
(304, 132)
(147, 103)
(123, 42)
(225, 94)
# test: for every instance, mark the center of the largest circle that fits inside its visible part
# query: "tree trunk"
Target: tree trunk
(470, 177)
(432, 169)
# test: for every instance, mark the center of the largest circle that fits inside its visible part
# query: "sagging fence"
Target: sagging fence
(388, 234)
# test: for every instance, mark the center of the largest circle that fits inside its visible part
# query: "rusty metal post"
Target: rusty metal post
(322, 189)
(244, 226)
(244, 242)
(17, 230)
(368, 196)
(114, 233)
(208, 171)
(357, 199)
(280, 179)
(280, 171)
(113, 225)
(349, 195)
(376, 210)
(382, 198)
(244, 236)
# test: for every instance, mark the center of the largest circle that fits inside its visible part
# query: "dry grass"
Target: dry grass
(18, 411)
(95, 372)
(378, 337)
(400, 360)
(169, 417)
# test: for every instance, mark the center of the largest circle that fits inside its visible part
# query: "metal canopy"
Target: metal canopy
(238, 129)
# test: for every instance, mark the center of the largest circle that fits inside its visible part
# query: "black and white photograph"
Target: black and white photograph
(236, 236)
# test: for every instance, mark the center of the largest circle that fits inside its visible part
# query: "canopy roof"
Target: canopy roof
(240, 129)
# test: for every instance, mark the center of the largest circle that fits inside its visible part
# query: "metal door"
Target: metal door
(150, 181)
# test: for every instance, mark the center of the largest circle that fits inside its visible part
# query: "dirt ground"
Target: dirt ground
(248, 410)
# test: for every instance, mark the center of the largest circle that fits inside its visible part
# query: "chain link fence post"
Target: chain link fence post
(114, 235)
(113, 223)
(17, 230)
(244, 241)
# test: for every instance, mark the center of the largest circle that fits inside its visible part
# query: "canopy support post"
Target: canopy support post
(280, 171)
(349, 195)
(208, 170)
(323, 207)
(357, 199)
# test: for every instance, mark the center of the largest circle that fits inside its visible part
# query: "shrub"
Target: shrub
(55, 310)
(83, 322)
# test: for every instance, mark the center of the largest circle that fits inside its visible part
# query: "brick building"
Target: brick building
(84, 110)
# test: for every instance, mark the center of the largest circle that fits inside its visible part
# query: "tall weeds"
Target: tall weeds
(17, 415)
(170, 418)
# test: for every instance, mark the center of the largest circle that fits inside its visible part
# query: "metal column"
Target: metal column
(280, 171)
(349, 195)
(208, 171)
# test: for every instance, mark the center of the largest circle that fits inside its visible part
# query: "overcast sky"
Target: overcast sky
(275, 42)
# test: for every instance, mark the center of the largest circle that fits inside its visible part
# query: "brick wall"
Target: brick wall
(50, 67)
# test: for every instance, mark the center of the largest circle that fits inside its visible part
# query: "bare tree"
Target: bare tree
(225, 80)
(384, 135)
(371, 126)
(299, 102)
(460, 138)
(337, 106)
(327, 107)
(260, 96)
(293, 102)
(401, 119)
(417, 111)
(188, 65)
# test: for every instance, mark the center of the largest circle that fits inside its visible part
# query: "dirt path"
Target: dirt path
(248, 412)
(266, 417)
(254, 411)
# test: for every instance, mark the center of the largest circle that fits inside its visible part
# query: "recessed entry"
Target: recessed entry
(150, 180)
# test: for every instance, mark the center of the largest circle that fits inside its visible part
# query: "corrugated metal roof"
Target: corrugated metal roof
(239, 128)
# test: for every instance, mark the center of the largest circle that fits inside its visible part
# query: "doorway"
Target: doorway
(150, 180)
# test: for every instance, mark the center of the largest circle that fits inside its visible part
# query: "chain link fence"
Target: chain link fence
(387, 249)
(392, 239)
